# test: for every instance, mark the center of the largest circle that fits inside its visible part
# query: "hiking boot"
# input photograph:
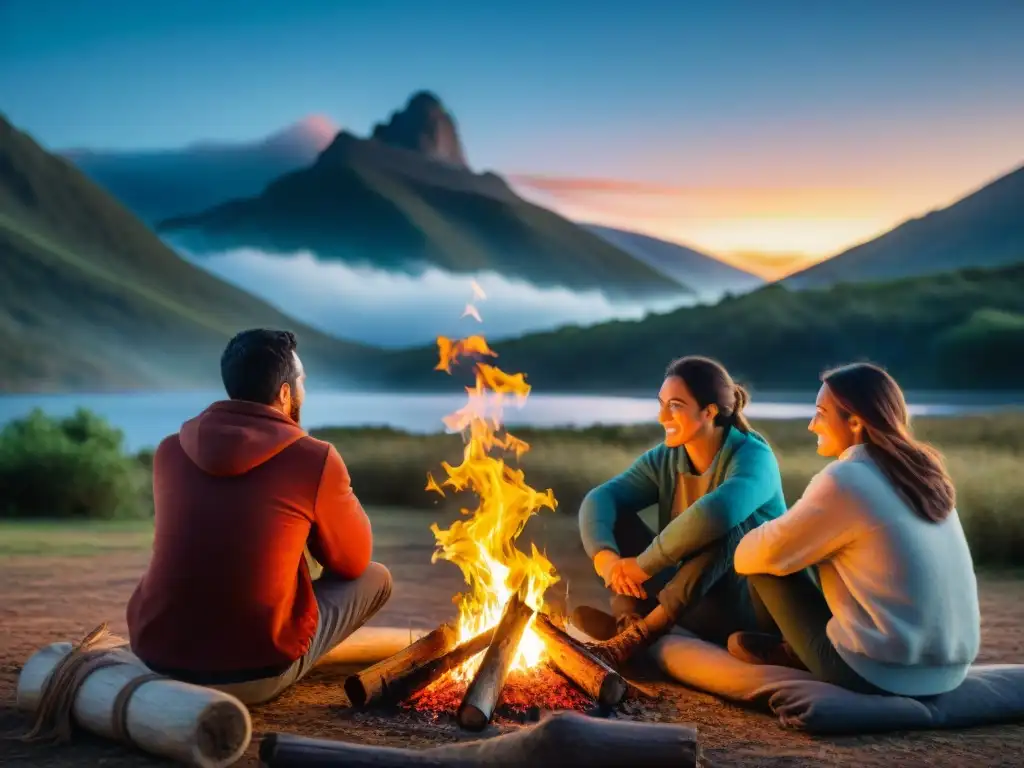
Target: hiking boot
(600, 625)
(763, 648)
(619, 649)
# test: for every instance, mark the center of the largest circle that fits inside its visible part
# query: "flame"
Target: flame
(482, 545)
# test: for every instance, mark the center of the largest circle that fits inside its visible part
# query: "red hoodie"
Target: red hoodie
(239, 493)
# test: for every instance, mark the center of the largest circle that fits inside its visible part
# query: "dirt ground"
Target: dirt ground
(48, 599)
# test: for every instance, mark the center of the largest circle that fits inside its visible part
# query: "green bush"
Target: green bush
(74, 467)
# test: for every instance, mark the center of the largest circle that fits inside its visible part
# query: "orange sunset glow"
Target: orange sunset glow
(775, 229)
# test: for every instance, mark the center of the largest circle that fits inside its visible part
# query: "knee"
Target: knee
(378, 578)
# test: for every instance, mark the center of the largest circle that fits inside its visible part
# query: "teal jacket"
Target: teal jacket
(745, 490)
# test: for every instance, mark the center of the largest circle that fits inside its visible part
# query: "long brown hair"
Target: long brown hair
(915, 468)
(709, 382)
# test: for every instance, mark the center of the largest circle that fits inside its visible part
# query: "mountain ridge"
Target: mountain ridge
(92, 299)
(984, 228)
(388, 204)
(156, 183)
(710, 276)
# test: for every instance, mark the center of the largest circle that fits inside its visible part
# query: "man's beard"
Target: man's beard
(295, 412)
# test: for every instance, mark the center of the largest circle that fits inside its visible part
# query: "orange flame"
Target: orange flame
(483, 544)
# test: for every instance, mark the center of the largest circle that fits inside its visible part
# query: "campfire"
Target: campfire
(502, 641)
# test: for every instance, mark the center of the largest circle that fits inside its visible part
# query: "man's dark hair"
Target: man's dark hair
(257, 362)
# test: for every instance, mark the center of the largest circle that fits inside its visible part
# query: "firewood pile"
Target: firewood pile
(429, 661)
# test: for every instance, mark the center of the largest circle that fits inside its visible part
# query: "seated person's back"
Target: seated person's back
(240, 494)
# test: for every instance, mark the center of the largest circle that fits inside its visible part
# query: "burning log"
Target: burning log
(594, 743)
(375, 682)
(484, 691)
(591, 674)
(422, 676)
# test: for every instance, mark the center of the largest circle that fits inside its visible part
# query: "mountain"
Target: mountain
(953, 330)
(91, 299)
(984, 229)
(157, 184)
(403, 200)
(424, 126)
(706, 275)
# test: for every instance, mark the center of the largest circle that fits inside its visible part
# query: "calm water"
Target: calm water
(148, 418)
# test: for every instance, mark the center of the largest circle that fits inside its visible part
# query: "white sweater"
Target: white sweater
(902, 590)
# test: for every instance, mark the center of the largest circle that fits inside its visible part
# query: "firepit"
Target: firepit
(424, 675)
(500, 634)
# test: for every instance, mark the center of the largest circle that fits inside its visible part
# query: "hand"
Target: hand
(627, 578)
(603, 562)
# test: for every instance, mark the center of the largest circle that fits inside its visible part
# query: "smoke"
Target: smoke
(391, 309)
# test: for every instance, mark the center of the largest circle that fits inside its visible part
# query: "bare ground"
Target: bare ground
(49, 599)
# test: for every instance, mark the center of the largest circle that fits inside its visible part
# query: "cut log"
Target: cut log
(574, 661)
(368, 645)
(420, 677)
(187, 723)
(563, 738)
(371, 683)
(482, 695)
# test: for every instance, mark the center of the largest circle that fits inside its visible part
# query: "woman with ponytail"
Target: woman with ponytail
(712, 479)
(897, 612)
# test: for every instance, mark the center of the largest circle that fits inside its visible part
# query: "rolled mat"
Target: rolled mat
(103, 688)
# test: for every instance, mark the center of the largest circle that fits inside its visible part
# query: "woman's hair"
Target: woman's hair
(915, 468)
(709, 382)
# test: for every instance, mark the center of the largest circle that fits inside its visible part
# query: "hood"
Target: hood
(233, 436)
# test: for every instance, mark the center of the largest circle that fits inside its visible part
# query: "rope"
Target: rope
(120, 713)
(97, 650)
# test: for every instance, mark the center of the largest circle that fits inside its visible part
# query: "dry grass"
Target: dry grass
(984, 455)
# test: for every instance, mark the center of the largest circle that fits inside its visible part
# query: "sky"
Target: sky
(766, 133)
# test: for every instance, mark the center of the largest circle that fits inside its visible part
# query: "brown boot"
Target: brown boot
(621, 648)
(600, 625)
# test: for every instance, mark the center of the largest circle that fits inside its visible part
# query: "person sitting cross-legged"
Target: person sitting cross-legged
(897, 611)
(713, 480)
(261, 552)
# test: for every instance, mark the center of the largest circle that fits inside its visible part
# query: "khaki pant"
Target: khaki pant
(344, 607)
(704, 594)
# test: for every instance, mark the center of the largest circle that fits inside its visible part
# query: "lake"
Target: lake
(147, 418)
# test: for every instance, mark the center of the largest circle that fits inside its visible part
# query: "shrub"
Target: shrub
(73, 467)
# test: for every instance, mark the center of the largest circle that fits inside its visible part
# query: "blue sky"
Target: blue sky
(887, 107)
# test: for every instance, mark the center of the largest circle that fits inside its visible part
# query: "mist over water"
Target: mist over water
(392, 309)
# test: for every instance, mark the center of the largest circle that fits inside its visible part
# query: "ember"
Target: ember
(523, 692)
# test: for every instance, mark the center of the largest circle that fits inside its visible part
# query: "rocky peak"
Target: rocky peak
(424, 126)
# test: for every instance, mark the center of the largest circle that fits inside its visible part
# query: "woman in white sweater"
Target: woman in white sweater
(897, 611)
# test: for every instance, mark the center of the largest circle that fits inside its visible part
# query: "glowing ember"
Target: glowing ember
(483, 545)
(523, 692)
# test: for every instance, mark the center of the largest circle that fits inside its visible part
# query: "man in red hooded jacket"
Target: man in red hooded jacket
(244, 496)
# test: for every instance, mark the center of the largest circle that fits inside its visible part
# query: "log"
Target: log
(422, 676)
(562, 738)
(368, 645)
(592, 675)
(372, 683)
(188, 723)
(484, 690)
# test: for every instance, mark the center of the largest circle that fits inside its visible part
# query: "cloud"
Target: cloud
(395, 309)
(572, 186)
